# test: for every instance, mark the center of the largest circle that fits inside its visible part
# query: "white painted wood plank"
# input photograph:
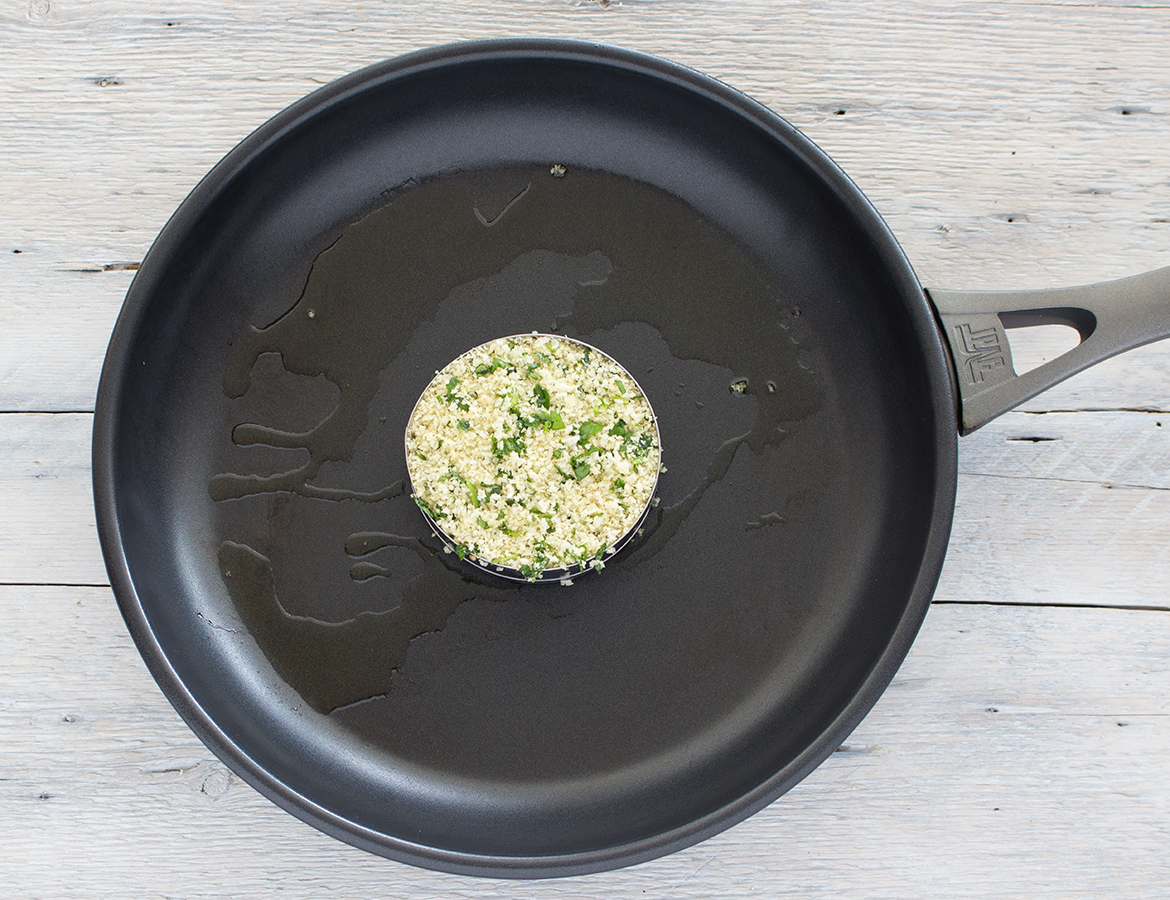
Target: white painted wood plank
(1111, 449)
(1019, 753)
(1063, 508)
(956, 118)
(1080, 518)
(48, 533)
(1022, 541)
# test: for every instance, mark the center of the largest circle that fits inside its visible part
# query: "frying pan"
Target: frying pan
(291, 602)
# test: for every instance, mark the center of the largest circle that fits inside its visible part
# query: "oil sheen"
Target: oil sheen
(354, 602)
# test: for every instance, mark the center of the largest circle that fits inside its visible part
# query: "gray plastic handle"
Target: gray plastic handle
(1110, 317)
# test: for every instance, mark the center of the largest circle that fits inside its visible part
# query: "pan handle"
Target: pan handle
(1110, 317)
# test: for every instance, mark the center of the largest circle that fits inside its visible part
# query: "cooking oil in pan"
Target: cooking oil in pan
(348, 594)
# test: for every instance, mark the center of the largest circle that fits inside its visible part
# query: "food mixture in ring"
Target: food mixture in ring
(533, 452)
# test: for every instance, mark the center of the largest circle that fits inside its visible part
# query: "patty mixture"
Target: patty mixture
(533, 452)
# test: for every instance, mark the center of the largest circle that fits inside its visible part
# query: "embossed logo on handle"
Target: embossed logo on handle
(985, 354)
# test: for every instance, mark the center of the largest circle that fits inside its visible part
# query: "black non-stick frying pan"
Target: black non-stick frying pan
(284, 589)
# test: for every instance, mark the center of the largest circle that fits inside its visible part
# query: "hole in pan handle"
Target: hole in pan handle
(1111, 317)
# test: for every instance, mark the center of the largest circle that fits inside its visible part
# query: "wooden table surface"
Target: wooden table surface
(1024, 748)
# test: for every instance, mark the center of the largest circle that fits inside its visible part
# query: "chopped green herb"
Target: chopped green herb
(588, 429)
(425, 507)
(549, 421)
(494, 365)
(463, 425)
(452, 397)
(500, 449)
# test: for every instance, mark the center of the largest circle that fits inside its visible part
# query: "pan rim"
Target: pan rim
(141, 295)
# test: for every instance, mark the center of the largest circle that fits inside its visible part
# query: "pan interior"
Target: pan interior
(327, 647)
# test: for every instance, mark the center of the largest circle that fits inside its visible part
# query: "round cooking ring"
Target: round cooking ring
(563, 574)
(717, 662)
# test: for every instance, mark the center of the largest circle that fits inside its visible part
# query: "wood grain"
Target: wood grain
(1068, 508)
(1007, 145)
(48, 534)
(1016, 754)
(1020, 751)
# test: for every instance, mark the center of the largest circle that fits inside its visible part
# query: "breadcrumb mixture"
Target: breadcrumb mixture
(533, 452)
